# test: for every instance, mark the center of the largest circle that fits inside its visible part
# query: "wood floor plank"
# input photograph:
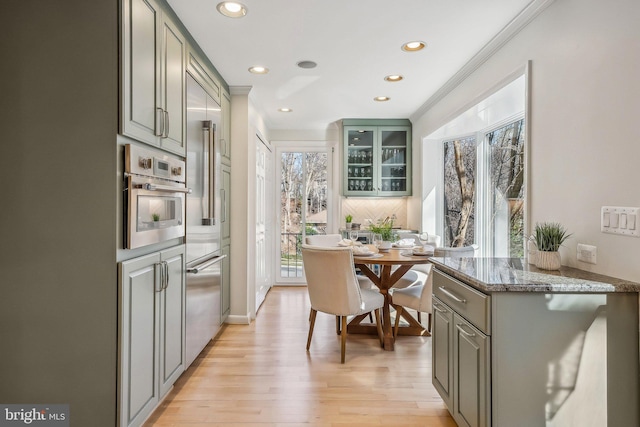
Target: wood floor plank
(261, 375)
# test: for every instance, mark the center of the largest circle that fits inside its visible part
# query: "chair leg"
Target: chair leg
(419, 317)
(312, 319)
(370, 317)
(429, 322)
(398, 314)
(379, 326)
(343, 339)
(337, 325)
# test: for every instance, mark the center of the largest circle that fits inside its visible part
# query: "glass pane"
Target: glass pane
(360, 160)
(291, 187)
(506, 190)
(304, 203)
(459, 192)
(158, 212)
(393, 160)
(316, 193)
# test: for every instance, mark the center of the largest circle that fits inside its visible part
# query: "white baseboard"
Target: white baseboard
(234, 319)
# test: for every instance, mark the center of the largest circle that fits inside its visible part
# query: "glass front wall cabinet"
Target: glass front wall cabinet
(377, 158)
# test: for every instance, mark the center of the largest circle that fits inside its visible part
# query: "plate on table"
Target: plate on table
(367, 255)
(421, 253)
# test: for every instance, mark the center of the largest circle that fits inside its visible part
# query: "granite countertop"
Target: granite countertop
(516, 275)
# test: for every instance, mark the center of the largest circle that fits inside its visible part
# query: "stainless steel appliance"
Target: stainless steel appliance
(204, 269)
(155, 202)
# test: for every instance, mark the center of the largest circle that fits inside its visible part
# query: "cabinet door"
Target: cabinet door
(172, 318)
(360, 159)
(225, 193)
(138, 338)
(442, 351)
(173, 88)
(394, 153)
(141, 72)
(225, 147)
(226, 283)
(471, 375)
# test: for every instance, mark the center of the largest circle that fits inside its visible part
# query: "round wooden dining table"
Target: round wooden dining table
(385, 281)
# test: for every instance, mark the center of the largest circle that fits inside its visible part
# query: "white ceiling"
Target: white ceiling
(356, 43)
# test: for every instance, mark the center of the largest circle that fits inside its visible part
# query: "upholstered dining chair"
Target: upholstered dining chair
(332, 240)
(333, 289)
(456, 252)
(323, 239)
(417, 296)
(433, 240)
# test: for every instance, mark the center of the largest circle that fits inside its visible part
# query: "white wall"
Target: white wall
(584, 104)
(246, 123)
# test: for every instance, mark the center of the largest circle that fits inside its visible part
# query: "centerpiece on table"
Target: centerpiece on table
(385, 229)
(548, 237)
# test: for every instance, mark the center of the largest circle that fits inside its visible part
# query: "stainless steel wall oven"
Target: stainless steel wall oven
(155, 197)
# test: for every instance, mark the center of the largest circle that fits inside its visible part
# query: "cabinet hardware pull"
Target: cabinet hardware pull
(160, 271)
(451, 295)
(166, 274)
(166, 114)
(469, 334)
(438, 309)
(159, 122)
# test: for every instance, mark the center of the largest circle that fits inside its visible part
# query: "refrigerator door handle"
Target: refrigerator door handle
(208, 163)
(206, 264)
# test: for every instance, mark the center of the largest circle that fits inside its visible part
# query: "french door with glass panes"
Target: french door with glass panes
(304, 206)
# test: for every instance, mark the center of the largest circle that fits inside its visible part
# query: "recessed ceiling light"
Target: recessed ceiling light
(393, 78)
(232, 9)
(413, 46)
(307, 64)
(258, 70)
(285, 110)
(381, 98)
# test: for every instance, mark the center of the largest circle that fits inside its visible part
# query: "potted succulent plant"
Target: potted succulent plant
(548, 237)
(347, 220)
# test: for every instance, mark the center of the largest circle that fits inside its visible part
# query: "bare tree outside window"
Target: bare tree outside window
(303, 205)
(506, 146)
(459, 191)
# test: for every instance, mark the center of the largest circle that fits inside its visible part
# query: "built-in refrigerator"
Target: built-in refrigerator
(203, 251)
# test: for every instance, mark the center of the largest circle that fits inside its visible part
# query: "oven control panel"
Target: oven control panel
(153, 163)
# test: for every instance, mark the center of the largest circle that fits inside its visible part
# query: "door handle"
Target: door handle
(204, 265)
(164, 188)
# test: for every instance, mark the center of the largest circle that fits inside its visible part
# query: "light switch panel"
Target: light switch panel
(620, 220)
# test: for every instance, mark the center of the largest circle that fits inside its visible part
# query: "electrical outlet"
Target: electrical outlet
(586, 253)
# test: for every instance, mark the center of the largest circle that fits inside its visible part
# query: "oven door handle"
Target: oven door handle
(165, 188)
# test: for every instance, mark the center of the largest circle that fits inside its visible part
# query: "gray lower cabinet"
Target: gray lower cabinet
(152, 331)
(442, 347)
(226, 283)
(461, 348)
(471, 375)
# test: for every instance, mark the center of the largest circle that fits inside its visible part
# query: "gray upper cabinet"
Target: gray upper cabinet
(225, 142)
(153, 77)
(376, 158)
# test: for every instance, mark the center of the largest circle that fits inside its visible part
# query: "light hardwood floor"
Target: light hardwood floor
(261, 375)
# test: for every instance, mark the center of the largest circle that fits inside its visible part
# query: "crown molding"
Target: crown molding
(507, 33)
(240, 90)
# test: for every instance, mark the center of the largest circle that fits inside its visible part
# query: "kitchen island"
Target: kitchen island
(517, 346)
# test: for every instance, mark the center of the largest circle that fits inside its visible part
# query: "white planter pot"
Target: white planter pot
(548, 260)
